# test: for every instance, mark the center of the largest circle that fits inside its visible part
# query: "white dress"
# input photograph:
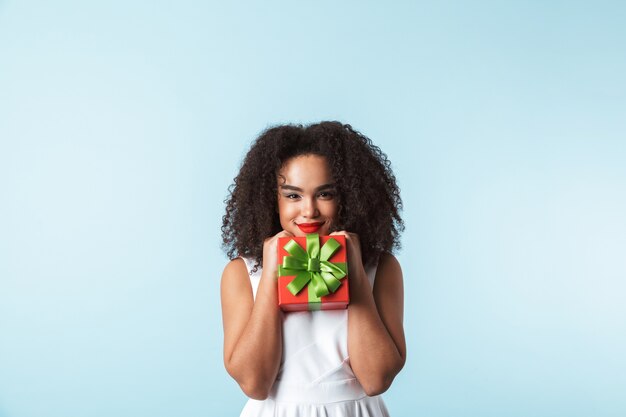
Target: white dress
(315, 378)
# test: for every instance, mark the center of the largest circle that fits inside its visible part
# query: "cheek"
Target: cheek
(331, 209)
(285, 210)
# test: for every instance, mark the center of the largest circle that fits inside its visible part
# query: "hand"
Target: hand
(355, 262)
(270, 252)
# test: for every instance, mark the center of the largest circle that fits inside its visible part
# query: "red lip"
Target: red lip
(310, 227)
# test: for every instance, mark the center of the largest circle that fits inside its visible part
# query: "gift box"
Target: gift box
(312, 273)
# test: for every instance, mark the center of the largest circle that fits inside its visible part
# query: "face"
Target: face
(307, 198)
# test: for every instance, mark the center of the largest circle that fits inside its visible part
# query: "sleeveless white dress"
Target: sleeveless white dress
(315, 378)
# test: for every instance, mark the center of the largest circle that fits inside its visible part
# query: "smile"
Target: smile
(310, 227)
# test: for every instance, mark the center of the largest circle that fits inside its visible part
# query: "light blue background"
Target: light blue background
(122, 124)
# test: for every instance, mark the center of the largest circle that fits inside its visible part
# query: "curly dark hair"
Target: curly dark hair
(368, 196)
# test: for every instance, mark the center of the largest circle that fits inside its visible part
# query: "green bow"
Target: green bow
(313, 266)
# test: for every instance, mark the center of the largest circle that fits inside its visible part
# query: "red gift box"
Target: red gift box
(309, 266)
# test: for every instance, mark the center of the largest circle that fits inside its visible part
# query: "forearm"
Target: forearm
(255, 359)
(374, 356)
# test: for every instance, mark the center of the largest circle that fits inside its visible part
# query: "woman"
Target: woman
(328, 179)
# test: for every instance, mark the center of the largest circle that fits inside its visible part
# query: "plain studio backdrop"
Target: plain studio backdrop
(123, 123)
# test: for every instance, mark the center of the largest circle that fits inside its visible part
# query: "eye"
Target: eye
(326, 195)
(292, 196)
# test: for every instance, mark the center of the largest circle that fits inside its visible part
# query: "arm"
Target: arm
(376, 343)
(252, 329)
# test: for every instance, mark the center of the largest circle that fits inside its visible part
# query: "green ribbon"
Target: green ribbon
(312, 267)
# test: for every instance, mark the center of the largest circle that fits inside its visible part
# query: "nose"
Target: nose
(309, 208)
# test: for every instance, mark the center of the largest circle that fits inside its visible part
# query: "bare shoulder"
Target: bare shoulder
(388, 287)
(235, 267)
(235, 278)
(389, 269)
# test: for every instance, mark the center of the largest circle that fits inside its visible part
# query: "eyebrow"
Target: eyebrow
(294, 188)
